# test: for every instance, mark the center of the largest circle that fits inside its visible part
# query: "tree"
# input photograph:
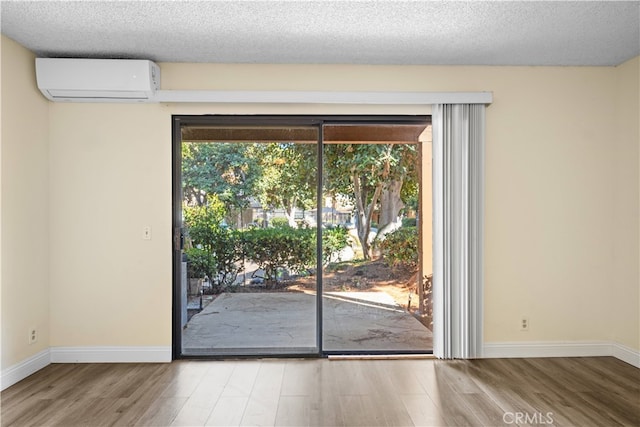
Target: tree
(376, 177)
(400, 190)
(288, 178)
(220, 168)
(373, 176)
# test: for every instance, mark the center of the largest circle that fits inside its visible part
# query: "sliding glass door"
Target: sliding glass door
(299, 236)
(249, 198)
(372, 191)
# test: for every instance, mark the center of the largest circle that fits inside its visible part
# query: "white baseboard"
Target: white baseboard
(31, 365)
(110, 354)
(22, 370)
(547, 349)
(626, 354)
(562, 349)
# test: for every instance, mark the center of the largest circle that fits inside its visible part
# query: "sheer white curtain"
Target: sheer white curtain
(458, 194)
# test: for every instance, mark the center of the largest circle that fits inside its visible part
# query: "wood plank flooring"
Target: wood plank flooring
(319, 392)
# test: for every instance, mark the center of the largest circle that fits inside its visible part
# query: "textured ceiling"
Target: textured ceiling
(331, 32)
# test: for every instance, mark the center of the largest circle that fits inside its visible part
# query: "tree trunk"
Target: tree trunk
(390, 206)
(365, 213)
(291, 217)
(290, 213)
(361, 217)
(364, 210)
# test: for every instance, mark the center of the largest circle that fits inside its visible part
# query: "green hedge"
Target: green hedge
(274, 248)
(279, 222)
(291, 248)
(218, 250)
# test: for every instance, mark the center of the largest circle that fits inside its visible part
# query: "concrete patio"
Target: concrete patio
(280, 323)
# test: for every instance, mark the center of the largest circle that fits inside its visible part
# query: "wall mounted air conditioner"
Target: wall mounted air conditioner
(97, 80)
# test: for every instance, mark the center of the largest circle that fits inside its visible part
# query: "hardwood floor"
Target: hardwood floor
(286, 392)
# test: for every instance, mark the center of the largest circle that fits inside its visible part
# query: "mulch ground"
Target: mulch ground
(362, 276)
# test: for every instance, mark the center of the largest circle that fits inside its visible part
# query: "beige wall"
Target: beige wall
(110, 177)
(551, 177)
(549, 199)
(625, 225)
(25, 207)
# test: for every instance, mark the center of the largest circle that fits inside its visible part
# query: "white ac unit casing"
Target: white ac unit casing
(97, 80)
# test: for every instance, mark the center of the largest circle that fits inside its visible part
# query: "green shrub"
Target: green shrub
(274, 248)
(206, 231)
(279, 222)
(409, 222)
(334, 239)
(203, 222)
(200, 263)
(227, 249)
(400, 248)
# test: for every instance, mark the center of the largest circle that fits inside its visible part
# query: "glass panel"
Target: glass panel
(371, 240)
(249, 213)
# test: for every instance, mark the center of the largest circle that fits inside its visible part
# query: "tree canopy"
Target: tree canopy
(225, 169)
(288, 178)
(376, 178)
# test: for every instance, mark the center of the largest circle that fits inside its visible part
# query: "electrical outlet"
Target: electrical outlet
(33, 336)
(146, 233)
(524, 323)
